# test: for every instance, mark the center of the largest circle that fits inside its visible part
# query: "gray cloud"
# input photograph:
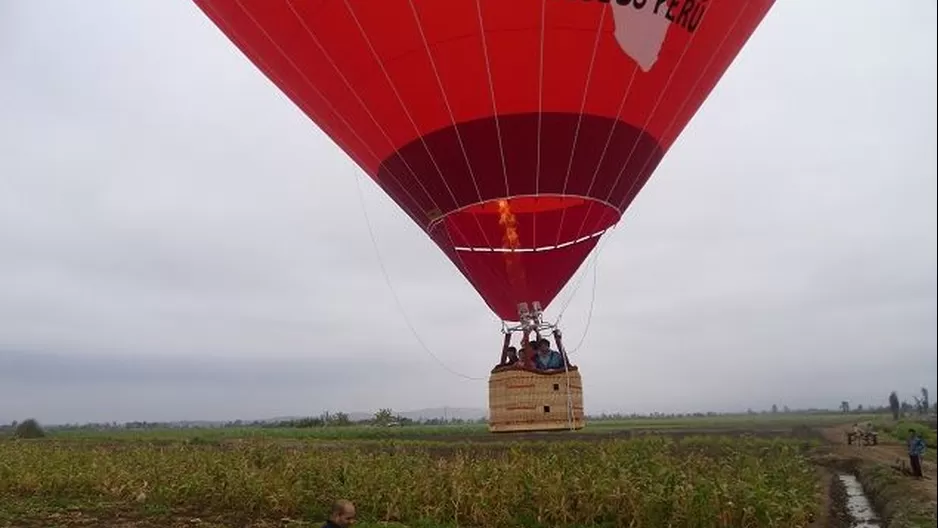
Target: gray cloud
(104, 388)
(177, 240)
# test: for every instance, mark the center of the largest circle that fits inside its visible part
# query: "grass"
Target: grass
(468, 431)
(892, 497)
(899, 432)
(645, 482)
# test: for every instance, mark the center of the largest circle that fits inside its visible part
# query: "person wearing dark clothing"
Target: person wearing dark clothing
(342, 516)
(512, 355)
(916, 452)
(509, 353)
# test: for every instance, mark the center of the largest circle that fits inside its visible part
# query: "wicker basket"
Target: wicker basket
(527, 400)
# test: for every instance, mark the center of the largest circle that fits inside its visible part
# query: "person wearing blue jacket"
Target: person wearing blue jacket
(916, 452)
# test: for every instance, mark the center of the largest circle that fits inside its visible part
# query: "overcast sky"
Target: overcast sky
(179, 241)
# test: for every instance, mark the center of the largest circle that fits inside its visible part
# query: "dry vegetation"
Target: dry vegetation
(654, 481)
(734, 471)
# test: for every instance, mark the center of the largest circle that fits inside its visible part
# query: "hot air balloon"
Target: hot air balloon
(515, 133)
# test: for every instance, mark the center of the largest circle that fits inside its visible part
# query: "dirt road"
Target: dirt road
(888, 452)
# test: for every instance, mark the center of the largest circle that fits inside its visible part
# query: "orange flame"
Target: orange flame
(508, 221)
(511, 241)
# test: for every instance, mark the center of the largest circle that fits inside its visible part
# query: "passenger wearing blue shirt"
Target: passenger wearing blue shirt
(916, 452)
(547, 359)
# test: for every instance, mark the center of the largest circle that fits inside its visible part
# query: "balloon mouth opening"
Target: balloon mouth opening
(521, 224)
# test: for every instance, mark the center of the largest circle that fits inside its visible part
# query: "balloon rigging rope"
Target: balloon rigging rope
(589, 315)
(488, 71)
(449, 108)
(648, 120)
(663, 93)
(409, 115)
(495, 112)
(594, 262)
(409, 323)
(397, 95)
(625, 165)
(579, 120)
(377, 124)
(651, 114)
(452, 117)
(540, 111)
(397, 300)
(358, 97)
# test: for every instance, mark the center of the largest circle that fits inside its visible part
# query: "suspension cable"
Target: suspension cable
(589, 314)
(566, 370)
(592, 261)
(397, 300)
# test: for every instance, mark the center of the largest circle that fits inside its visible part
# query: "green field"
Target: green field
(739, 471)
(735, 423)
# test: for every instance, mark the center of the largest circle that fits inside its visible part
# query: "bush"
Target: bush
(29, 429)
(901, 431)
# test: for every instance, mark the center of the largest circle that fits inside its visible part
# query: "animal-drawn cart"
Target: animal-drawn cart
(866, 438)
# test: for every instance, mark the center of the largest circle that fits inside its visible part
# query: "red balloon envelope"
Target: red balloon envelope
(514, 132)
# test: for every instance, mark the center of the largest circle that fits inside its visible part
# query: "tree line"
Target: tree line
(386, 417)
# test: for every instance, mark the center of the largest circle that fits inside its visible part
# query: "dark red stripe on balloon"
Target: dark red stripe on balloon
(565, 201)
(444, 174)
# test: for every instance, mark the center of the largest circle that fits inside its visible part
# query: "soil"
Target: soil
(888, 453)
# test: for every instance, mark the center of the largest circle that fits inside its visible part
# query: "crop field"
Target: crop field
(762, 425)
(746, 472)
(647, 482)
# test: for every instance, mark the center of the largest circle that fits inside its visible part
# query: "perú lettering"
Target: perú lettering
(684, 13)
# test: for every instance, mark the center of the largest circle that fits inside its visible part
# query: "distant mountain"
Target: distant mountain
(436, 413)
(198, 424)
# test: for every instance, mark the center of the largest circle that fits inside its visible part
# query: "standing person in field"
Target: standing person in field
(342, 516)
(916, 452)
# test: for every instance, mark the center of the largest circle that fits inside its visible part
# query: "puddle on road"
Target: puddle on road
(858, 505)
